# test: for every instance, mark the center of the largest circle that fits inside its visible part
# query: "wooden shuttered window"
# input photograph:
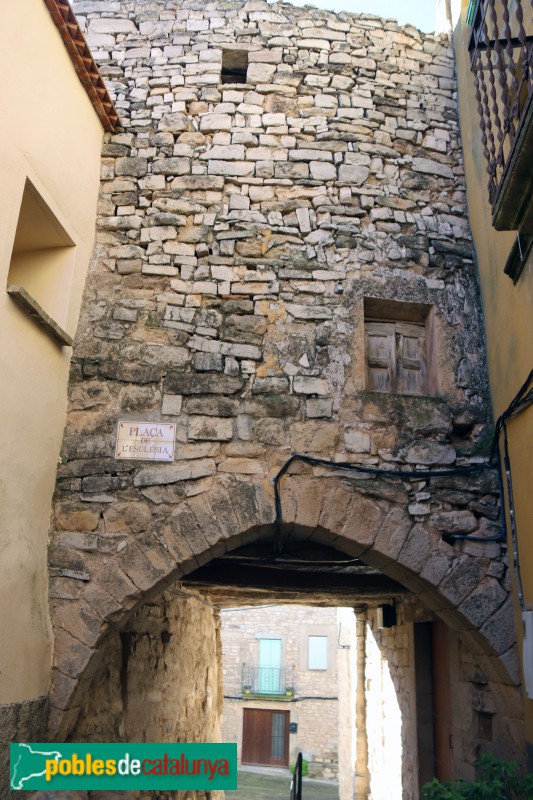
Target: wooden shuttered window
(396, 358)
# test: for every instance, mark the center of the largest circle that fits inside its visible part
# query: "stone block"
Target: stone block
(244, 466)
(274, 120)
(171, 166)
(136, 167)
(363, 521)
(219, 152)
(356, 441)
(277, 406)
(292, 170)
(499, 628)
(100, 40)
(145, 564)
(269, 431)
(483, 601)
(314, 44)
(273, 55)
(212, 406)
(322, 171)
(70, 655)
(393, 533)
(335, 508)
(112, 25)
(430, 167)
(239, 202)
(314, 437)
(79, 541)
(186, 383)
(270, 385)
(172, 473)
(210, 428)
(208, 362)
(323, 33)
(174, 123)
(353, 174)
(462, 580)
(70, 518)
(308, 385)
(316, 408)
(416, 549)
(310, 155)
(430, 453)
(215, 122)
(260, 73)
(126, 223)
(237, 169)
(80, 621)
(455, 522)
(309, 312)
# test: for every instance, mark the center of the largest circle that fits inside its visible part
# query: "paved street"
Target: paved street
(265, 786)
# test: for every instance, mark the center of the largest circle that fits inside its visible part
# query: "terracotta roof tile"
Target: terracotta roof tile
(84, 64)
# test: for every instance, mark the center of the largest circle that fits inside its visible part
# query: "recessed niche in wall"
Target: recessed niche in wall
(234, 66)
(42, 264)
(399, 347)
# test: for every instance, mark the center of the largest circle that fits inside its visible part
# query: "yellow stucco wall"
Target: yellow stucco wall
(51, 135)
(508, 311)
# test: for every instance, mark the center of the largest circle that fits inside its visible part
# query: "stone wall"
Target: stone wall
(159, 679)
(133, 689)
(242, 229)
(391, 720)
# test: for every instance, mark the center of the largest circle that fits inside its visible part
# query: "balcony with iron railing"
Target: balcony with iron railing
(271, 681)
(501, 58)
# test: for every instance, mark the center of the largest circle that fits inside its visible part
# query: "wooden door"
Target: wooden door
(442, 699)
(265, 737)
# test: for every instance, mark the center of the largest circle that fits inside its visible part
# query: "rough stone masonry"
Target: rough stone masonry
(249, 233)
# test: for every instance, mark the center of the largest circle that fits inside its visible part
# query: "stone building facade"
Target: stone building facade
(307, 691)
(283, 265)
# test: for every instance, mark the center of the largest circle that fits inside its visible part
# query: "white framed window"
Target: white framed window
(317, 652)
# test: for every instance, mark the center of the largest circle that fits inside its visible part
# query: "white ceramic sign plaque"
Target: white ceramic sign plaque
(146, 441)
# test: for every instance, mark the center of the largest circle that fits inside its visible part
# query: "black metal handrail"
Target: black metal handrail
(501, 55)
(268, 680)
(296, 782)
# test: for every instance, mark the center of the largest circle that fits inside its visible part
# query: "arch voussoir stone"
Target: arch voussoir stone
(393, 533)
(464, 577)
(70, 654)
(417, 549)
(145, 562)
(439, 563)
(305, 501)
(483, 601)
(499, 630)
(335, 508)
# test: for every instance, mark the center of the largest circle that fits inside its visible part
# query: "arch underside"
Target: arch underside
(460, 589)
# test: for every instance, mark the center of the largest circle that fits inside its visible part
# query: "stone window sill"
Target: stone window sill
(32, 307)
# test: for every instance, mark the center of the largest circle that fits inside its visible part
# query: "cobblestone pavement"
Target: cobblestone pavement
(260, 786)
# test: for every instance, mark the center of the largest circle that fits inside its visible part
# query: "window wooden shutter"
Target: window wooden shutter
(380, 356)
(411, 362)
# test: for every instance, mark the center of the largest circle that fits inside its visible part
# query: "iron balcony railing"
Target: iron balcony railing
(268, 680)
(501, 57)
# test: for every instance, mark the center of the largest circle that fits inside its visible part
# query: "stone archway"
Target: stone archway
(462, 590)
